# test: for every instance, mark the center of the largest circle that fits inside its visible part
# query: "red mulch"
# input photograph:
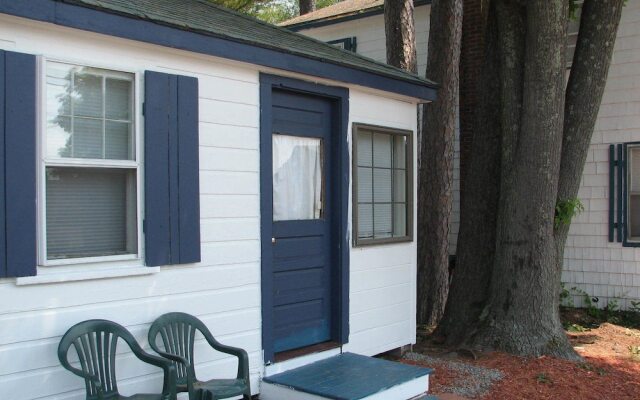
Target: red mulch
(610, 370)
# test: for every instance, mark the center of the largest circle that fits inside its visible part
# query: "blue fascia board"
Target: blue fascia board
(316, 23)
(127, 27)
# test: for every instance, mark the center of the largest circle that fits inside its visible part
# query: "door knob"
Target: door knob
(273, 240)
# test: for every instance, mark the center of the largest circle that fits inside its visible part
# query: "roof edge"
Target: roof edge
(107, 22)
(348, 16)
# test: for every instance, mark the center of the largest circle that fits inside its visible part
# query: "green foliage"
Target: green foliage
(574, 6)
(566, 210)
(543, 378)
(272, 11)
(589, 367)
(566, 299)
(576, 328)
(635, 306)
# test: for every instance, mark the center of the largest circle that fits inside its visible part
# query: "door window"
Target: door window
(297, 178)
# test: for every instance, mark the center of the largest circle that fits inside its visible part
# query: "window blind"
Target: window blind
(87, 212)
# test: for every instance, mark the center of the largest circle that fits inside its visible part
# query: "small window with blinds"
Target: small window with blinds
(382, 185)
(90, 168)
(633, 194)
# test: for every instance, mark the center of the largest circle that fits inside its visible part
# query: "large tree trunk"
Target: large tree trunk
(522, 313)
(400, 34)
(478, 209)
(598, 27)
(505, 290)
(435, 179)
(307, 6)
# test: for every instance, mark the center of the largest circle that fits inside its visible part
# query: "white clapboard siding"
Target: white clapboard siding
(229, 206)
(232, 160)
(227, 182)
(224, 136)
(42, 353)
(224, 112)
(228, 229)
(379, 298)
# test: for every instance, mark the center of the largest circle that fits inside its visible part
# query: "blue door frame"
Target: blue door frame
(339, 98)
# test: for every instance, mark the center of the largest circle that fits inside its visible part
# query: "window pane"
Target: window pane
(59, 89)
(59, 137)
(382, 150)
(634, 169)
(381, 185)
(634, 216)
(90, 212)
(365, 149)
(87, 138)
(87, 96)
(399, 220)
(365, 221)
(382, 220)
(118, 99)
(365, 185)
(90, 113)
(297, 178)
(399, 152)
(399, 185)
(118, 141)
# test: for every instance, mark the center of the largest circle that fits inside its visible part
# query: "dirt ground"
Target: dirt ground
(610, 370)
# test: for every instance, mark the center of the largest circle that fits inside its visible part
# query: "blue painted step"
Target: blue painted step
(348, 376)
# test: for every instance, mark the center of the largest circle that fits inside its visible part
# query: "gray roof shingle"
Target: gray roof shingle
(203, 17)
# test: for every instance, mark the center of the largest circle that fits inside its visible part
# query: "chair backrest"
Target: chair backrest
(95, 343)
(177, 332)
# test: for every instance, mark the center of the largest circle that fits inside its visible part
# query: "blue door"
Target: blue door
(301, 242)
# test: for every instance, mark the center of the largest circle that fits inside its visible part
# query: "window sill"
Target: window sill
(45, 275)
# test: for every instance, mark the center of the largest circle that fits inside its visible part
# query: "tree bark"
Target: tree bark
(598, 27)
(435, 197)
(400, 34)
(478, 209)
(307, 6)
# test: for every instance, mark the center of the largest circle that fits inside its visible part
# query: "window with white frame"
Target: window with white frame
(382, 195)
(90, 165)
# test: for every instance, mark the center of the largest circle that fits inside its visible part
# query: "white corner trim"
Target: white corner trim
(86, 274)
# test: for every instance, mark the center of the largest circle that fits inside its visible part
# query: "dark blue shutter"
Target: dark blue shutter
(18, 165)
(172, 205)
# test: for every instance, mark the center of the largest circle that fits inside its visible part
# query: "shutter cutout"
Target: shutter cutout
(612, 191)
(18, 165)
(172, 205)
(620, 191)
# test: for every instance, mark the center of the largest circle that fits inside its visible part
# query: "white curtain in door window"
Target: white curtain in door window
(297, 178)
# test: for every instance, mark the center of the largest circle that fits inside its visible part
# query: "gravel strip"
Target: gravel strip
(475, 381)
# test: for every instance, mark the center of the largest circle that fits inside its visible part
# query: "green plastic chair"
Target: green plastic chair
(95, 343)
(177, 332)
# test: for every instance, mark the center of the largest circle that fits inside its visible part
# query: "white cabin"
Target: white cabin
(189, 159)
